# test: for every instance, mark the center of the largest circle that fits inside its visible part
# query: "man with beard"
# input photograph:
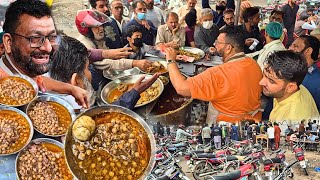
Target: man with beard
(171, 34)
(309, 46)
(290, 13)
(232, 88)
(283, 74)
(252, 34)
(183, 10)
(154, 14)
(112, 33)
(30, 35)
(149, 32)
(218, 13)
(71, 65)
(228, 18)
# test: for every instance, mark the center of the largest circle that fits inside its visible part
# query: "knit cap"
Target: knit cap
(274, 30)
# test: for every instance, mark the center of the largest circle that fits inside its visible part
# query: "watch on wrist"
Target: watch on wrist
(169, 61)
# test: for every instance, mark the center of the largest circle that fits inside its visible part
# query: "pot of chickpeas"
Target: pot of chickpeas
(109, 142)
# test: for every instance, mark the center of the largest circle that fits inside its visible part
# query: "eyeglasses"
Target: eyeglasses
(38, 41)
(218, 42)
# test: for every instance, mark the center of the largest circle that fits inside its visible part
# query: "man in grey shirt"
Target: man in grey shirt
(154, 14)
(207, 33)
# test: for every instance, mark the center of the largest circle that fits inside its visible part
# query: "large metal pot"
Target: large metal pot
(176, 108)
(109, 108)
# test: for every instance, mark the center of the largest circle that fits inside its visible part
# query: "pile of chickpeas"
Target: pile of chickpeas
(37, 162)
(45, 119)
(15, 92)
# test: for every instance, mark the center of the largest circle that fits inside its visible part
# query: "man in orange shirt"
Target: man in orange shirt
(232, 88)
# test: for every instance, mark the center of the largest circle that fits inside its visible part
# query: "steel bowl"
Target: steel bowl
(107, 89)
(53, 99)
(109, 108)
(113, 74)
(26, 79)
(36, 141)
(164, 63)
(30, 125)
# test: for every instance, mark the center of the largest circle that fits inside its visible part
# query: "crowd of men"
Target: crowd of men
(258, 72)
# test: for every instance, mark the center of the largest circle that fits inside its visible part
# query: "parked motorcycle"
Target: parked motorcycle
(299, 154)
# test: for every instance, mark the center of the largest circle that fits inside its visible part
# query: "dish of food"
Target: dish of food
(148, 95)
(195, 53)
(108, 145)
(15, 131)
(42, 160)
(50, 118)
(157, 67)
(16, 91)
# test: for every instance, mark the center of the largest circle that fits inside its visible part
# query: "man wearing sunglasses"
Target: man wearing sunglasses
(232, 88)
(29, 41)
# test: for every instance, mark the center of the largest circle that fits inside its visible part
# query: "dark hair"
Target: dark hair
(314, 43)
(303, 16)
(172, 14)
(277, 12)
(70, 57)
(234, 36)
(314, 121)
(249, 13)
(191, 18)
(16, 9)
(93, 3)
(287, 65)
(135, 3)
(228, 11)
(132, 29)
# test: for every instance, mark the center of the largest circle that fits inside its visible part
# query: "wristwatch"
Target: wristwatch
(169, 61)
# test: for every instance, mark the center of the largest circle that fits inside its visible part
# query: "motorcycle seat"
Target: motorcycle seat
(228, 176)
(298, 154)
(165, 177)
(232, 158)
(271, 161)
(276, 151)
(206, 155)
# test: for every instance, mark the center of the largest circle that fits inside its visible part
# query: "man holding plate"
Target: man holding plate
(232, 88)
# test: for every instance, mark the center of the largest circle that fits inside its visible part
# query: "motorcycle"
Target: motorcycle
(250, 168)
(299, 154)
(275, 166)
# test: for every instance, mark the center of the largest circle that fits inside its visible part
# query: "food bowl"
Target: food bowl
(113, 74)
(66, 112)
(18, 96)
(140, 129)
(108, 89)
(52, 145)
(13, 111)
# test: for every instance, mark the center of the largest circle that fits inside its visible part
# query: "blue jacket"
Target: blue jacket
(312, 83)
(113, 36)
(148, 36)
(128, 99)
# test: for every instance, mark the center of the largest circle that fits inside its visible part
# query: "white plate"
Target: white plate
(195, 51)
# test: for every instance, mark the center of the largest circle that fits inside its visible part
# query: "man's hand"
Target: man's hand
(175, 30)
(142, 86)
(145, 24)
(116, 53)
(173, 44)
(81, 96)
(142, 64)
(171, 54)
(249, 41)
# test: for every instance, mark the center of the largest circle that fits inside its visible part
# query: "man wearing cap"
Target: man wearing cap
(273, 33)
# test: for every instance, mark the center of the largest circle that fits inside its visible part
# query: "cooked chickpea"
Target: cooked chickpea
(111, 174)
